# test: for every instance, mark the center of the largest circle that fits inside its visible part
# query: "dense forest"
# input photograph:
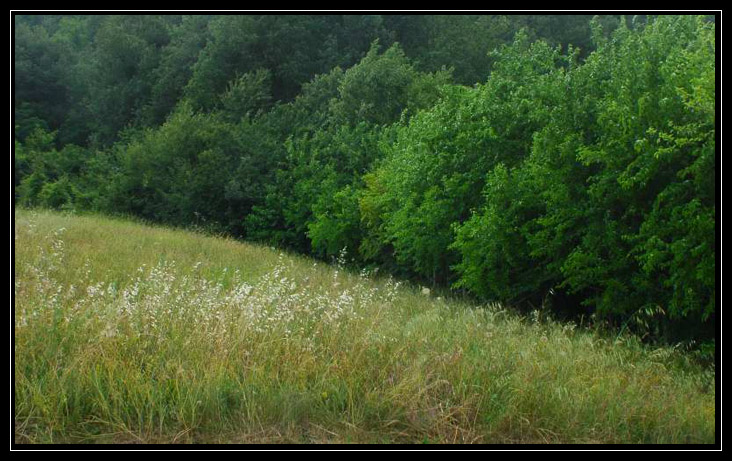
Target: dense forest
(563, 163)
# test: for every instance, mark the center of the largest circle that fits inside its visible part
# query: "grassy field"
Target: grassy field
(126, 333)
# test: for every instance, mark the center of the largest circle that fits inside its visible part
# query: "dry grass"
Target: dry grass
(127, 333)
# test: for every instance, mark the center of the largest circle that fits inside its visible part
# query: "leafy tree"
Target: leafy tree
(380, 87)
(247, 95)
(597, 210)
(47, 176)
(327, 159)
(126, 53)
(174, 173)
(40, 93)
(435, 169)
(175, 68)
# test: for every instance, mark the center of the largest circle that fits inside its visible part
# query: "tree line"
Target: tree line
(556, 162)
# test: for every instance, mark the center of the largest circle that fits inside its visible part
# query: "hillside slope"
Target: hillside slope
(130, 333)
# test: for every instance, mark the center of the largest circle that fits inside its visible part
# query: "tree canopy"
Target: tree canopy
(556, 162)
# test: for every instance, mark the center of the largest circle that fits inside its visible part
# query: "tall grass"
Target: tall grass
(130, 333)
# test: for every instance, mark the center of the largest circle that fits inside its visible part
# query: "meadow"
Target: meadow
(130, 333)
